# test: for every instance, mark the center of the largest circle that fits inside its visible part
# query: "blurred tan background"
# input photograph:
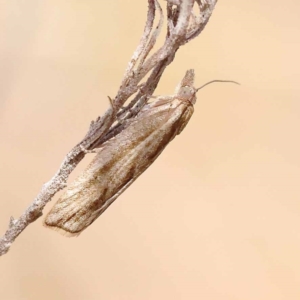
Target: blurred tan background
(218, 214)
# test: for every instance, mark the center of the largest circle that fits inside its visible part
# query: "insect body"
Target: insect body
(123, 159)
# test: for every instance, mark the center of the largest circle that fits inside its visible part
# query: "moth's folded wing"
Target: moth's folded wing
(119, 163)
(75, 209)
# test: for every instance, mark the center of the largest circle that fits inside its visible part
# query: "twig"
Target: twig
(183, 25)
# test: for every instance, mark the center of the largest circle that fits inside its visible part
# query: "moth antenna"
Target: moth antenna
(207, 83)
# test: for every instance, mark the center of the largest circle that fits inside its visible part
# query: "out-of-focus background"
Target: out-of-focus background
(218, 214)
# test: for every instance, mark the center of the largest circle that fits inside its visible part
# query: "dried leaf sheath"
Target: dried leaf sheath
(119, 162)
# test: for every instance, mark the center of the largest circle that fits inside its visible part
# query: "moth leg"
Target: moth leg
(140, 90)
(86, 151)
(174, 2)
(161, 97)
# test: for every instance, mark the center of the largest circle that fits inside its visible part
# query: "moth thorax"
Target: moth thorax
(187, 93)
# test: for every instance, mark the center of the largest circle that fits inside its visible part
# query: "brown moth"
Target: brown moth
(121, 160)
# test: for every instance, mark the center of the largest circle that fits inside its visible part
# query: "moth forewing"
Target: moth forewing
(121, 160)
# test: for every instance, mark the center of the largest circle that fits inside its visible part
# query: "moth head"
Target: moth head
(185, 90)
(187, 93)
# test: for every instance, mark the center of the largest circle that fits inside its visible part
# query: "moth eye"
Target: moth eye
(186, 91)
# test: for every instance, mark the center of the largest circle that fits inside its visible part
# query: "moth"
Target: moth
(121, 160)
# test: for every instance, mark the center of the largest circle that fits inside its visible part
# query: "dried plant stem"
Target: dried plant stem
(183, 25)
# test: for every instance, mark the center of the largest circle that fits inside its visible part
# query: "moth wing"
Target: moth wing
(73, 209)
(119, 163)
